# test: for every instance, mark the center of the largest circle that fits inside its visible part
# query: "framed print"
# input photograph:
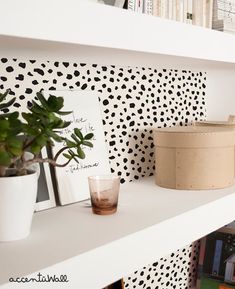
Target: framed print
(72, 183)
(45, 194)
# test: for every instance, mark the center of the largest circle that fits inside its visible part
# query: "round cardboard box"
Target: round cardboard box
(194, 157)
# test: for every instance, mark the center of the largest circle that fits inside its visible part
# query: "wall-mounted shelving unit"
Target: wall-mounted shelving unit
(100, 250)
(88, 29)
(63, 239)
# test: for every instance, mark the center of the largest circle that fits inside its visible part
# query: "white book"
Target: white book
(174, 10)
(164, 9)
(185, 11)
(148, 7)
(204, 13)
(170, 9)
(131, 5)
(182, 16)
(197, 12)
(156, 8)
(189, 11)
(139, 6)
(209, 9)
(178, 10)
(119, 3)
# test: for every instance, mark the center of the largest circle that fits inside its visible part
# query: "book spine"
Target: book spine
(170, 9)
(217, 257)
(139, 6)
(204, 13)
(185, 10)
(156, 8)
(197, 12)
(209, 8)
(148, 7)
(189, 11)
(182, 18)
(178, 12)
(164, 8)
(174, 10)
(228, 276)
(119, 3)
(131, 5)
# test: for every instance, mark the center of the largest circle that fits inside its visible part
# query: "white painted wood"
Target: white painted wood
(93, 25)
(94, 251)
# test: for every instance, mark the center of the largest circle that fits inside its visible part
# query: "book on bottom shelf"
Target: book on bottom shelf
(216, 268)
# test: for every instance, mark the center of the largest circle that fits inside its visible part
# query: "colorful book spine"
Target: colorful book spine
(217, 257)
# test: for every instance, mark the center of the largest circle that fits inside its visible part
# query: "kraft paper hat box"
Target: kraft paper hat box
(194, 157)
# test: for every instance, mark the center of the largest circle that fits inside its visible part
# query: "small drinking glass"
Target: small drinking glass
(104, 191)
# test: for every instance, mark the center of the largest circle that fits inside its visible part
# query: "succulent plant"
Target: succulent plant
(30, 131)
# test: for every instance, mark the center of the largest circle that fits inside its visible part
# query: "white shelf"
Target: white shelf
(54, 27)
(97, 250)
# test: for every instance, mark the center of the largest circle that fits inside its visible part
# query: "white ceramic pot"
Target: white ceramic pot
(17, 203)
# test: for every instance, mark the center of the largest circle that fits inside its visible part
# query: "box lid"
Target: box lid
(230, 123)
(194, 136)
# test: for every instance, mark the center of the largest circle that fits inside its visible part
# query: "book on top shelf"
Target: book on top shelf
(216, 268)
(139, 6)
(223, 18)
(131, 5)
(189, 12)
(148, 7)
(119, 3)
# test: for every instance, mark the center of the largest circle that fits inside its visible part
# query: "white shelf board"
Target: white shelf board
(64, 27)
(94, 251)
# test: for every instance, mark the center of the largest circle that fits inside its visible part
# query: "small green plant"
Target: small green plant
(31, 131)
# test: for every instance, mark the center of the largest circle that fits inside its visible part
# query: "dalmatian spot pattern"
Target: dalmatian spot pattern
(133, 101)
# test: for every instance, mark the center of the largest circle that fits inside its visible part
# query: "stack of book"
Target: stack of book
(198, 12)
(215, 14)
(224, 15)
(216, 269)
(179, 10)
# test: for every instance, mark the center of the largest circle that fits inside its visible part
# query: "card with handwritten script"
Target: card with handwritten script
(86, 115)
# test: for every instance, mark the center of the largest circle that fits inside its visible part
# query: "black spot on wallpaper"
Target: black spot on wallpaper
(133, 100)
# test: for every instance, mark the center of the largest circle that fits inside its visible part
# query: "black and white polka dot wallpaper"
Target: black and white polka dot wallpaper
(133, 100)
(177, 271)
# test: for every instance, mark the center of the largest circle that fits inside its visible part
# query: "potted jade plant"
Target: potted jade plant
(24, 134)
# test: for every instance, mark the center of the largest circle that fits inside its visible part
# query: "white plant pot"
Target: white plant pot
(17, 203)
